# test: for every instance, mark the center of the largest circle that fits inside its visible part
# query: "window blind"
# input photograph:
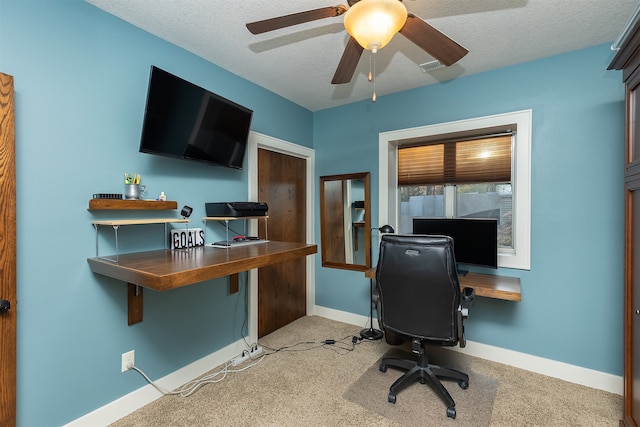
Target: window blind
(484, 159)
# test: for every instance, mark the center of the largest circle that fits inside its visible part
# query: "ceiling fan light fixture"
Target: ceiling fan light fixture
(373, 23)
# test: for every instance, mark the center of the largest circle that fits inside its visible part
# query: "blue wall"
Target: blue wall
(80, 89)
(81, 79)
(571, 307)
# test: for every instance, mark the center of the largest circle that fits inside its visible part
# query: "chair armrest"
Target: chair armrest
(466, 301)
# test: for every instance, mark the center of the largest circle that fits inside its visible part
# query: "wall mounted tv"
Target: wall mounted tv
(475, 240)
(185, 121)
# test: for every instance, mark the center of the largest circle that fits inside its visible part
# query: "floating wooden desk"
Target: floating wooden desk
(485, 285)
(162, 270)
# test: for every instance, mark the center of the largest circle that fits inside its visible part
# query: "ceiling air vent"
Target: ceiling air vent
(430, 66)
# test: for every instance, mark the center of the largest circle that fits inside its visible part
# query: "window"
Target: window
(468, 178)
(461, 185)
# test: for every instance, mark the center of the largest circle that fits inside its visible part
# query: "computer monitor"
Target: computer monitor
(475, 240)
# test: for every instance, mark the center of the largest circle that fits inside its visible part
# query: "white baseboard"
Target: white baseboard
(344, 317)
(552, 368)
(125, 405)
(540, 365)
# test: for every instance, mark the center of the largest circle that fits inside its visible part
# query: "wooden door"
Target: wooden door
(627, 60)
(282, 287)
(632, 309)
(632, 261)
(7, 253)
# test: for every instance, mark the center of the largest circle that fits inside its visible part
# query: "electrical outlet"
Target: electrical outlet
(128, 360)
(247, 354)
(238, 360)
(256, 350)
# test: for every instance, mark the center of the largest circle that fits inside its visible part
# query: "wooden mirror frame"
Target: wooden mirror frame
(335, 198)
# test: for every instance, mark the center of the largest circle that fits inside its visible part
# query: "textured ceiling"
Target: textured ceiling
(298, 62)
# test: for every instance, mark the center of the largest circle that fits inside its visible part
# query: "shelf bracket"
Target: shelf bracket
(233, 283)
(115, 229)
(134, 303)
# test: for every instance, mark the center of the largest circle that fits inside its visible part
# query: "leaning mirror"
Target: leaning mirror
(345, 221)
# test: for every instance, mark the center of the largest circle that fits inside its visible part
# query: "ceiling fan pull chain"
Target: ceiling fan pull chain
(373, 74)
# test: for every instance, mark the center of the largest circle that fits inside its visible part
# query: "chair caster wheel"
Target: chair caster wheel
(392, 399)
(451, 412)
(463, 384)
(383, 367)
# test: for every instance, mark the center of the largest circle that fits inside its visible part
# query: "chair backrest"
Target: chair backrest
(418, 288)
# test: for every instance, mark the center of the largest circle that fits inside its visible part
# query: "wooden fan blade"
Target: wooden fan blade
(432, 41)
(348, 62)
(260, 27)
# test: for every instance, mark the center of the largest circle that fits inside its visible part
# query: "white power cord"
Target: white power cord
(189, 388)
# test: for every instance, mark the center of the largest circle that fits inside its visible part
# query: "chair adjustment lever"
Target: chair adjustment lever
(415, 345)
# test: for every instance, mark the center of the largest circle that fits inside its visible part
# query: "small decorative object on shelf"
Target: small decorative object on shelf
(188, 238)
(134, 191)
(162, 197)
(115, 196)
(186, 211)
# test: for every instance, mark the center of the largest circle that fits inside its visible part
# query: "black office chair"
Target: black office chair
(419, 299)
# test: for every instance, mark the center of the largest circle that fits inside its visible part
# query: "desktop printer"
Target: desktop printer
(236, 209)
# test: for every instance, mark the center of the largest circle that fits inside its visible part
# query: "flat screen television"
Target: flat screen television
(475, 240)
(186, 121)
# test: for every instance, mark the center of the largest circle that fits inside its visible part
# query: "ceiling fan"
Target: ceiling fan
(371, 34)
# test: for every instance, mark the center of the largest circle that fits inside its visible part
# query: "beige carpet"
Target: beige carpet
(312, 384)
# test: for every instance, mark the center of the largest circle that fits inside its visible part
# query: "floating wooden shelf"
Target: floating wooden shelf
(115, 204)
(118, 222)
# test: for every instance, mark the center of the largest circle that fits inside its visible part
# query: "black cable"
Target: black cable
(339, 346)
(228, 227)
(245, 322)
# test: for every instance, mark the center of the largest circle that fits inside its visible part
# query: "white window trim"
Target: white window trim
(519, 122)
